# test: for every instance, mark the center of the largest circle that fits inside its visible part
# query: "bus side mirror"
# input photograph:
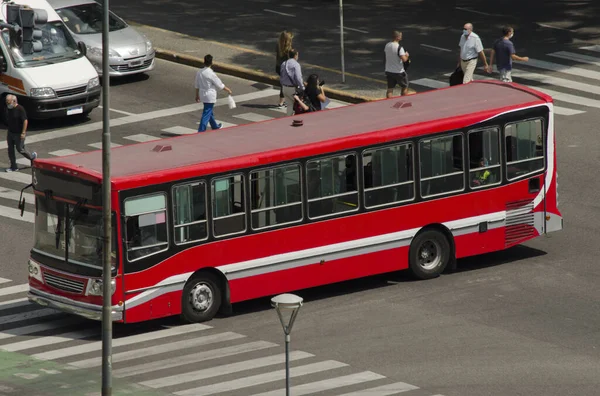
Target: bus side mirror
(3, 64)
(22, 206)
(82, 48)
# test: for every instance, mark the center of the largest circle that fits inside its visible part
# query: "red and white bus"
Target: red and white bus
(204, 221)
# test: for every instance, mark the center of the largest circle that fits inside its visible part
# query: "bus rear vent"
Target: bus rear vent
(159, 148)
(401, 105)
(519, 222)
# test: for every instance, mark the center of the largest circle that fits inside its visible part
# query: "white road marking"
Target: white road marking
(18, 302)
(14, 289)
(328, 384)
(476, 12)
(119, 111)
(99, 145)
(385, 390)
(35, 328)
(225, 124)
(260, 379)
(334, 104)
(278, 13)
(39, 313)
(282, 110)
(253, 117)
(3, 280)
(595, 48)
(179, 130)
(575, 71)
(437, 48)
(576, 57)
(563, 97)
(50, 340)
(188, 360)
(353, 29)
(23, 161)
(566, 112)
(158, 349)
(15, 214)
(23, 177)
(141, 137)
(96, 126)
(63, 153)
(14, 195)
(430, 83)
(134, 339)
(223, 370)
(555, 27)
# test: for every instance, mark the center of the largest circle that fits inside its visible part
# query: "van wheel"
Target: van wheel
(429, 254)
(201, 298)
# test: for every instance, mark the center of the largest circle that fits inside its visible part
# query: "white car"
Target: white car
(130, 51)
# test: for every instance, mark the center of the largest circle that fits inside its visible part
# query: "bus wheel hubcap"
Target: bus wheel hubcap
(429, 255)
(201, 297)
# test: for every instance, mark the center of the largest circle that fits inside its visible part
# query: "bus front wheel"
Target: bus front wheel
(201, 298)
(429, 254)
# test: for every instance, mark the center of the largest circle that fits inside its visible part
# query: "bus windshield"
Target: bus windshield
(70, 232)
(57, 46)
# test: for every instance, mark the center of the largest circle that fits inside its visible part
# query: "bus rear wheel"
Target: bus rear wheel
(201, 298)
(429, 254)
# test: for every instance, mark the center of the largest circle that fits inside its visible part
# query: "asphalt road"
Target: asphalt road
(520, 322)
(431, 28)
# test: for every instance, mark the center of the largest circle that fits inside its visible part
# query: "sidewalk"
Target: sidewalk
(23, 375)
(256, 65)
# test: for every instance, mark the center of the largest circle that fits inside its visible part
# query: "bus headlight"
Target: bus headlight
(35, 271)
(95, 287)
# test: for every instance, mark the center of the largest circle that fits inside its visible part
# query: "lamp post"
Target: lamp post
(342, 39)
(288, 302)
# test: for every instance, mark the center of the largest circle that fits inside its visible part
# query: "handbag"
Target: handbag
(456, 78)
(405, 64)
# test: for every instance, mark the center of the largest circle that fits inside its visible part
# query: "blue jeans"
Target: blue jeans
(207, 117)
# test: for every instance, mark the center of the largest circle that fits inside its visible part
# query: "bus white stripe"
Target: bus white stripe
(385, 390)
(129, 340)
(328, 384)
(43, 341)
(158, 349)
(186, 360)
(230, 368)
(260, 379)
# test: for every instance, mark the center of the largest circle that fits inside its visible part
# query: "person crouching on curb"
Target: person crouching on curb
(206, 82)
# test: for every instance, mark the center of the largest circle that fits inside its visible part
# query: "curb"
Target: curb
(249, 74)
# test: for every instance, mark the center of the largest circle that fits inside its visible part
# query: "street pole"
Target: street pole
(342, 39)
(292, 304)
(287, 364)
(106, 249)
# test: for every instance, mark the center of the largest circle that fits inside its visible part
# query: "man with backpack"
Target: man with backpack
(395, 58)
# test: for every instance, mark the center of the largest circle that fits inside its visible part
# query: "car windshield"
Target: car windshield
(57, 46)
(87, 19)
(69, 231)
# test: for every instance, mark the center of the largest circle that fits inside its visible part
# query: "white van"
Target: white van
(58, 81)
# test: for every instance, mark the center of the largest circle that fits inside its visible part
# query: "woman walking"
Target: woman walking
(284, 46)
(314, 95)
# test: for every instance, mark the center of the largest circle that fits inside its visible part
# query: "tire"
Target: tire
(201, 298)
(429, 254)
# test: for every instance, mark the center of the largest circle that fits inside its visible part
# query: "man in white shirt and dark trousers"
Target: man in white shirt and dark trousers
(395, 56)
(206, 84)
(291, 79)
(470, 49)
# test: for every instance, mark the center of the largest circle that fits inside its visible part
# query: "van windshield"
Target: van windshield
(57, 46)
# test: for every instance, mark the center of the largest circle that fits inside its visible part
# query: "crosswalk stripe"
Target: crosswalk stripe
(334, 104)
(20, 177)
(576, 57)
(430, 83)
(24, 161)
(328, 384)
(15, 214)
(192, 359)
(563, 97)
(63, 152)
(158, 349)
(223, 123)
(566, 112)
(38, 327)
(260, 379)
(179, 130)
(99, 145)
(385, 390)
(5, 291)
(575, 71)
(141, 137)
(19, 302)
(595, 48)
(253, 117)
(281, 110)
(50, 340)
(3, 280)
(129, 340)
(14, 195)
(35, 314)
(223, 370)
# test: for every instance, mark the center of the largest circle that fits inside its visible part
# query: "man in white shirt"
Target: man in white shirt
(470, 49)
(206, 82)
(395, 56)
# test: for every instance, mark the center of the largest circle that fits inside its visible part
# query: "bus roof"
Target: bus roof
(277, 140)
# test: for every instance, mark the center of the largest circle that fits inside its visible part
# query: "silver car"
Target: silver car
(130, 51)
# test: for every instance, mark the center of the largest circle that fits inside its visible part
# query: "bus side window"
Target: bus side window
(392, 179)
(189, 212)
(228, 205)
(524, 148)
(146, 225)
(484, 157)
(441, 165)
